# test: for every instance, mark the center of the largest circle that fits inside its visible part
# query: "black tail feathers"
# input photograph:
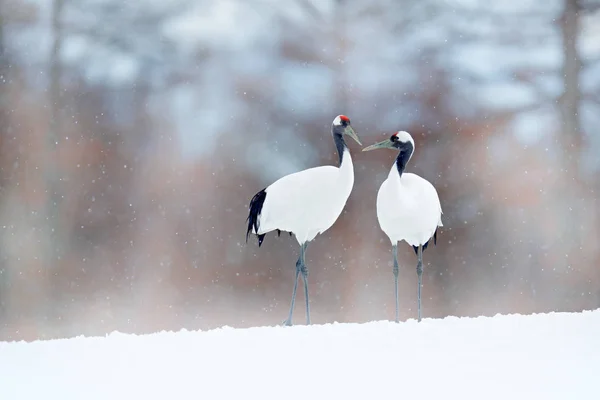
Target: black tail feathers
(256, 205)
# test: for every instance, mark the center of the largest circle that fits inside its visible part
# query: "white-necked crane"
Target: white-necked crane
(408, 207)
(305, 203)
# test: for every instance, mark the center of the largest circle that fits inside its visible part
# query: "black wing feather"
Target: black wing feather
(255, 207)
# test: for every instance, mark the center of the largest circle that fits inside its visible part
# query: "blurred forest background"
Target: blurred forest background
(134, 134)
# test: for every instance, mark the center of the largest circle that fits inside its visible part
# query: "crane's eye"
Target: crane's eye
(394, 138)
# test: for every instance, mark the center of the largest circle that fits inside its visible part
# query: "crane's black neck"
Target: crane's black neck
(403, 156)
(340, 145)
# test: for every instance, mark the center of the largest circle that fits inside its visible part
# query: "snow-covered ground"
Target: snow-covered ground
(543, 356)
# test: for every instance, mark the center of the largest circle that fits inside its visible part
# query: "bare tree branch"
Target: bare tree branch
(309, 7)
(589, 6)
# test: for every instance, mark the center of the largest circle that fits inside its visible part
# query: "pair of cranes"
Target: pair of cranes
(308, 202)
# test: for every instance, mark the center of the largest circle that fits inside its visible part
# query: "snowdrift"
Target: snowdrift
(542, 356)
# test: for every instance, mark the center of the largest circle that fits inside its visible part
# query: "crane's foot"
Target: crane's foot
(287, 322)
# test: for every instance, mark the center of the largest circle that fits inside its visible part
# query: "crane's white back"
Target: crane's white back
(317, 197)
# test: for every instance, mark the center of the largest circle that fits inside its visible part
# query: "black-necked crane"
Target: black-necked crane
(305, 203)
(408, 207)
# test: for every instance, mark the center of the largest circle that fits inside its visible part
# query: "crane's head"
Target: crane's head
(341, 126)
(400, 140)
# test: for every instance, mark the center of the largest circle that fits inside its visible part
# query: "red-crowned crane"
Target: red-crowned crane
(305, 203)
(408, 207)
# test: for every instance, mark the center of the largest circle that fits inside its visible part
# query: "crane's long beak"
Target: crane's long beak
(350, 132)
(386, 144)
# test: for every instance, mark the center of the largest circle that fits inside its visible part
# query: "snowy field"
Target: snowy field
(543, 356)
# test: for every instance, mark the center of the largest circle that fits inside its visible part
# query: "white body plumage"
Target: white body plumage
(307, 202)
(408, 208)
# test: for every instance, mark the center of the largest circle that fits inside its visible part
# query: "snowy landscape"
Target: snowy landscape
(139, 146)
(542, 356)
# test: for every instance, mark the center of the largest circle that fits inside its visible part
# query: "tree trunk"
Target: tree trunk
(53, 241)
(341, 95)
(3, 72)
(52, 172)
(570, 201)
(570, 101)
(3, 134)
(55, 72)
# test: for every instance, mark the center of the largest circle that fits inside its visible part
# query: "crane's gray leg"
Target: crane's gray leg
(288, 321)
(420, 277)
(395, 270)
(304, 271)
